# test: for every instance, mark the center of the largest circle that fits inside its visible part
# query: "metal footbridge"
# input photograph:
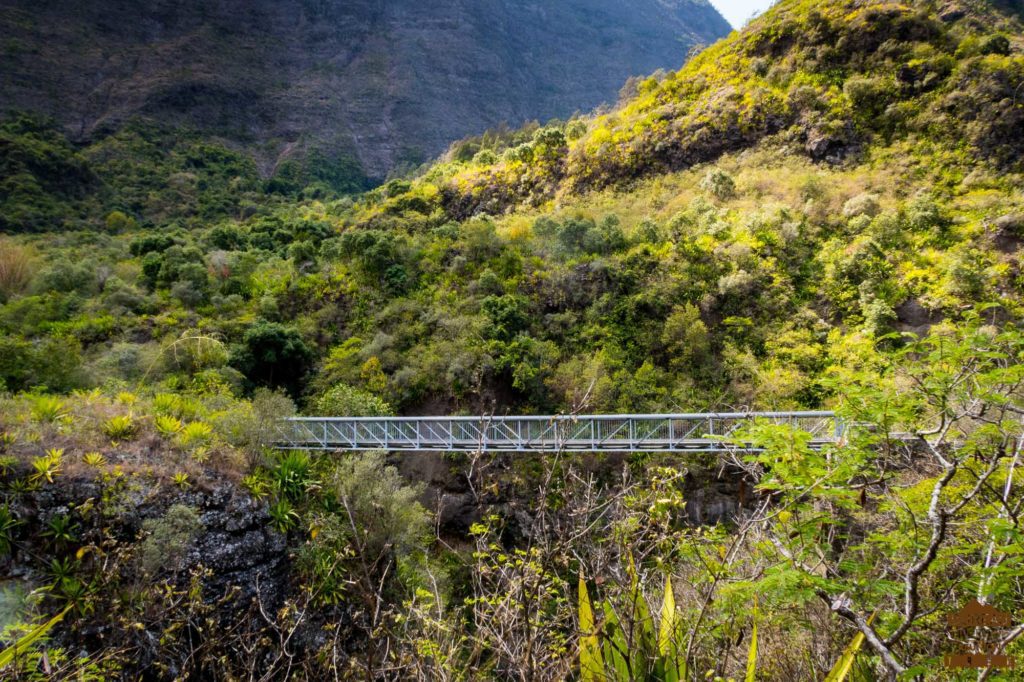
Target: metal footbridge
(701, 432)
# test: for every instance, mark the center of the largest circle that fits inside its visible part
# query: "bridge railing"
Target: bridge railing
(698, 432)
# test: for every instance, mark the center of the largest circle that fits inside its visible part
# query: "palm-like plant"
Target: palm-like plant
(62, 530)
(48, 466)
(48, 409)
(120, 428)
(8, 524)
(167, 425)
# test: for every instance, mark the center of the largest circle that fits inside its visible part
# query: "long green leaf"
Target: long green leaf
(641, 637)
(752, 655)
(615, 647)
(668, 618)
(591, 662)
(844, 665)
(30, 638)
(668, 649)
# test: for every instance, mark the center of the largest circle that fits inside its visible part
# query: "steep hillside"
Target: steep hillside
(385, 83)
(832, 81)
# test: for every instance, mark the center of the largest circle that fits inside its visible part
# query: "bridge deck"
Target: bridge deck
(710, 432)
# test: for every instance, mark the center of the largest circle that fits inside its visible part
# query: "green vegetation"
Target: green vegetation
(821, 211)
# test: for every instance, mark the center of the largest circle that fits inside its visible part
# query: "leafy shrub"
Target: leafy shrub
(283, 515)
(150, 243)
(485, 157)
(67, 276)
(128, 361)
(194, 351)
(118, 221)
(94, 459)
(379, 518)
(252, 426)
(507, 314)
(685, 336)
(179, 406)
(344, 400)
(51, 363)
(61, 530)
(574, 130)
(865, 204)
(719, 184)
(995, 44)
(521, 154)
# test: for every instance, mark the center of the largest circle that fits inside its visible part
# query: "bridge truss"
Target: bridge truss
(701, 432)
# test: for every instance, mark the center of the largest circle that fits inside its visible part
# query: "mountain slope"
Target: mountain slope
(829, 79)
(383, 82)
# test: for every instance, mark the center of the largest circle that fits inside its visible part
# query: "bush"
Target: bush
(343, 400)
(195, 435)
(485, 157)
(194, 351)
(863, 204)
(392, 527)
(292, 475)
(252, 426)
(117, 221)
(54, 363)
(719, 184)
(120, 296)
(166, 425)
(67, 276)
(508, 315)
(128, 361)
(869, 95)
(995, 44)
(522, 153)
(575, 130)
(685, 336)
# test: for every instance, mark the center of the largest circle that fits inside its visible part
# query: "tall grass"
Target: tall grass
(16, 268)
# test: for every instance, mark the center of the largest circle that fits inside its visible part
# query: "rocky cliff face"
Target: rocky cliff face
(385, 81)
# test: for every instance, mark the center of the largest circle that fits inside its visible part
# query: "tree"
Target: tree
(918, 512)
(685, 337)
(274, 356)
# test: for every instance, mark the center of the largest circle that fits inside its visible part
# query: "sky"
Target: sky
(737, 12)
